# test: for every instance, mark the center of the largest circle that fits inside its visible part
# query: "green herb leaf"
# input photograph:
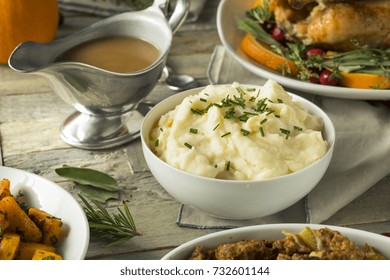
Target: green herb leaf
(245, 132)
(193, 130)
(285, 132)
(87, 176)
(228, 165)
(189, 146)
(226, 134)
(262, 131)
(97, 194)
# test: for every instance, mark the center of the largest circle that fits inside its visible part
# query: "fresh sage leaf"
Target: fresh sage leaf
(99, 195)
(87, 176)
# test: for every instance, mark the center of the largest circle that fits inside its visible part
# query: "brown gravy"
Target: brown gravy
(123, 54)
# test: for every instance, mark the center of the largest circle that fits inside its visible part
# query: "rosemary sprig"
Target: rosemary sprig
(251, 26)
(119, 227)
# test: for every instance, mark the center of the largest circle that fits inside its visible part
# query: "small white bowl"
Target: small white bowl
(273, 232)
(234, 199)
(43, 194)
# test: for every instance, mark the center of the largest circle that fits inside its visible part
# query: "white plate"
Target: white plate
(272, 232)
(44, 194)
(231, 11)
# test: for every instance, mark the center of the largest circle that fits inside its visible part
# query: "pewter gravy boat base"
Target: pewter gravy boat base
(106, 102)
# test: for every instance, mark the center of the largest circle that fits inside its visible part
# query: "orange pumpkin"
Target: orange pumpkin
(26, 20)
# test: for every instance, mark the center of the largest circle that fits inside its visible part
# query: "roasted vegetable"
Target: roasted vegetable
(9, 246)
(5, 188)
(45, 255)
(50, 226)
(4, 222)
(27, 250)
(26, 236)
(19, 222)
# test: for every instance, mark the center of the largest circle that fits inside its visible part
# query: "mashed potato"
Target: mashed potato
(238, 133)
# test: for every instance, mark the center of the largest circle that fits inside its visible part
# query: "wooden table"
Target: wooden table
(30, 116)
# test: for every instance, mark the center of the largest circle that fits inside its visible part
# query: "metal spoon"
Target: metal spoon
(178, 82)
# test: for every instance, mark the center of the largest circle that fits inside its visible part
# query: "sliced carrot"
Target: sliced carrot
(261, 3)
(263, 54)
(5, 188)
(364, 81)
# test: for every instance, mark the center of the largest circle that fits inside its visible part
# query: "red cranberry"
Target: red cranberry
(315, 79)
(327, 80)
(278, 34)
(314, 51)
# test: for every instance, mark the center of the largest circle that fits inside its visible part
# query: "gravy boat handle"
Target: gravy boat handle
(179, 14)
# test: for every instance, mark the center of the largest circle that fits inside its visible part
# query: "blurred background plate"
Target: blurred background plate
(230, 12)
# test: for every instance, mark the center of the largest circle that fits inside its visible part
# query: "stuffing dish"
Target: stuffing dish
(321, 244)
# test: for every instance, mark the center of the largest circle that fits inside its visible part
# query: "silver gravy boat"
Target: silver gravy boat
(106, 102)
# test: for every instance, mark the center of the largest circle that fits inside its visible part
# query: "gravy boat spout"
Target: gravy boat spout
(106, 101)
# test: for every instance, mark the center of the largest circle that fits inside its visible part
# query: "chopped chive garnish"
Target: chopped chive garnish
(226, 134)
(203, 100)
(217, 105)
(250, 89)
(228, 165)
(198, 111)
(252, 99)
(188, 145)
(240, 91)
(193, 130)
(297, 128)
(262, 131)
(206, 94)
(269, 111)
(277, 116)
(245, 132)
(263, 121)
(161, 129)
(261, 105)
(156, 143)
(243, 118)
(280, 100)
(286, 132)
(229, 113)
(215, 127)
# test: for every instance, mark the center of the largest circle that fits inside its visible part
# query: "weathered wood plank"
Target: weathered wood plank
(31, 114)
(156, 222)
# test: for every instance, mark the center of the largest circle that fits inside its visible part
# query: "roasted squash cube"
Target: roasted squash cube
(9, 246)
(45, 255)
(4, 221)
(19, 222)
(5, 185)
(27, 250)
(50, 226)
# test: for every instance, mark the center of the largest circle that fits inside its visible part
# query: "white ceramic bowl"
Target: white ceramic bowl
(234, 199)
(273, 232)
(52, 198)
